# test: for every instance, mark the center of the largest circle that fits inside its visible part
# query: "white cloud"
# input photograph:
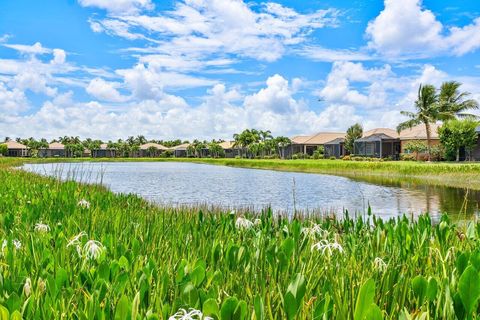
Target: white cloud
(405, 28)
(318, 53)
(34, 49)
(104, 90)
(338, 86)
(59, 56)
(205, 27)
(12, 101)
(35, 82)
(119, 6)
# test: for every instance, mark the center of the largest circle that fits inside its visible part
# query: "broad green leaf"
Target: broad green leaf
(122, 309)
(211, 309)
(469, 289)
(4, 314)
(419, 286)
(16, 315)
(374, 313)
(432, 289)
(241, 311)
(135, 306)
(259, 308)
(228, 308)
(365, 299)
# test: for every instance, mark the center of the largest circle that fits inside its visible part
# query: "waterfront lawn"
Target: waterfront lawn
(76, 251)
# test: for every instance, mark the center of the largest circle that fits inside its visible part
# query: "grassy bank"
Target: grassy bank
(76, 251)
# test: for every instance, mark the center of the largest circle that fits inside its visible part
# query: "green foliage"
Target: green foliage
(455, 134)
(3, 149)
(353, 133)
(416, 147)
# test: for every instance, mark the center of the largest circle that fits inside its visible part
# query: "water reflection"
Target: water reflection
(174, 183)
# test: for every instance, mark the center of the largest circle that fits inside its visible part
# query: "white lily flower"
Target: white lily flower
(27, 287)
(379, 264)
(84, 204)
(191, 314)
(232, 212)
(93, 249)
(17, 244)
(257, 222)
(243, 223)
(42, 228)
(76, 239)
(315, 230)
(327, 247)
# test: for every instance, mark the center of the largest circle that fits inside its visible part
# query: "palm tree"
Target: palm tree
(453, 103)
(282, 143)
(427, 112)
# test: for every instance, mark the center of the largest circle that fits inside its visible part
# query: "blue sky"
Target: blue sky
(209, 68)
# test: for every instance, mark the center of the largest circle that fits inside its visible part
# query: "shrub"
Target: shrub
(333, 158)
(347, 158)
(3, 150)
(407, 157)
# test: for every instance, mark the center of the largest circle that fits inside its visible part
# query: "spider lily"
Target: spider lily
(27, 287)
(314, 231)
(76, 240)
(17, 244)
(84, 204)
(327, 247)
(42, 228)
(243, 223)
(191, 314)
(93, 249)
(379, 264)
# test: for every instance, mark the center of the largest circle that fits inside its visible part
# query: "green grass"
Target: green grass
(157, 260)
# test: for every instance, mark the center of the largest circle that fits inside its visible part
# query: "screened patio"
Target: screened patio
(335, 148)
(377, 146)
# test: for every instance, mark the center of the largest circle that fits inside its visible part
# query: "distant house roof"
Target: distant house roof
(336, 141)
(182, 146)
(227, 145)
(393, 134)
(318, 139)
(419, 132)
(15, 145)
(376, 137)
(56, 146)
(151, 144)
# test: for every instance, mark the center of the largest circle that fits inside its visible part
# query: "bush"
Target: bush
(333, 158)
(347, 158)
(166, 154)
(407, 157)
(3, 150)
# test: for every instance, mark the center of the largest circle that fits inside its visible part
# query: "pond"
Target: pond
(174, 183)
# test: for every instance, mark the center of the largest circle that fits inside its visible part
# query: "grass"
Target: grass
(133, 260)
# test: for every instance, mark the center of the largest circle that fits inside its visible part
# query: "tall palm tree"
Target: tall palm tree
(427, 112)
(453, 103)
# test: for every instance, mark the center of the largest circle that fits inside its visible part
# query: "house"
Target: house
(335, 148)
(378, 143)
(16, 149)
(308, 144)
(475, 153)
(104, 152)
(419, 133)
(151, 149)
(180, 151)
(229, 148)
(55, 149)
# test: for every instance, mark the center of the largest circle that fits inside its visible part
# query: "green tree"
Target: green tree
(353, 133)
(456, 134)
(152, 151)
(427, 112)
(453, 103)
(216, 151)
(282, 143)
(416, 146)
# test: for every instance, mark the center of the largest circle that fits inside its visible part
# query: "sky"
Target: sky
(108, 69)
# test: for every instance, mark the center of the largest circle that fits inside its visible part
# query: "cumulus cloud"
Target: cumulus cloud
(36, 48)
(119, 6)
(12, 101)
(104, 90)
(59, 56)
(406, 28)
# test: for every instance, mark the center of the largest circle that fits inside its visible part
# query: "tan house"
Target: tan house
(308, 144)
(180, 151)
(16, 149)
(419, 133)
(104, 152)
(378, 143)
(229, 149)
(55, 149)
(146, 150)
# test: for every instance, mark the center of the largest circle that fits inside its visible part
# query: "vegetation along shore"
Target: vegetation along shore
(80, 251)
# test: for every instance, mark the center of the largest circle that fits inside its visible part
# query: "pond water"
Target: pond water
(174, 183)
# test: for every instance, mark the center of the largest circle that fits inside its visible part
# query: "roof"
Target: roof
(56, 146)
(319, 138)
(151, 144)
(419, 132)
(14, 145)
(336, 141)
(300, 139)
(376, 137)
(182, 146)
(227, 144)
(393, 134)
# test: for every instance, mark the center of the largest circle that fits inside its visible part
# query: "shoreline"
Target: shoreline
(454, 175)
